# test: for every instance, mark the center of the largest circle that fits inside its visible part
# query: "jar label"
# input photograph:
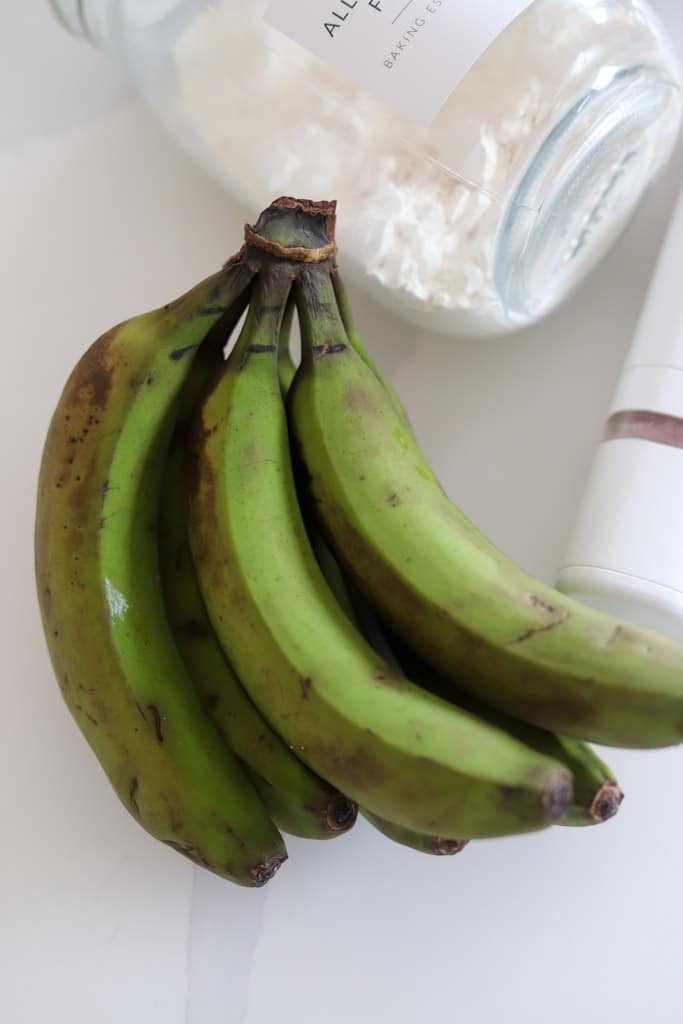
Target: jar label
(410, 53)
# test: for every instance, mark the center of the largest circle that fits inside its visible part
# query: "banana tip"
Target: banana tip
(341, 814)
(264, 871)
(447, 847)
(606, 801)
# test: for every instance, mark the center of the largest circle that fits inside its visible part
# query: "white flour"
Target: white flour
(419, 209)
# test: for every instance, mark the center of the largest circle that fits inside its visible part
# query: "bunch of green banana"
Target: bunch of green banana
(402, 753)
(227, 549)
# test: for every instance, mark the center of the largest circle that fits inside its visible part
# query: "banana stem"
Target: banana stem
(208, 360)
(209, 302)
(346, 314)
(266, 312)
(344, 307)
(326, 322)
(322, 329)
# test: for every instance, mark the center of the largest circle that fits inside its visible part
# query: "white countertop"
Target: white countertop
(103, 217)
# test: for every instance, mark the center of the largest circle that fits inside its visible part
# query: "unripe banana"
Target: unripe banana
(98, 584)
(597, 794)
(435, 845)
(462, 605)
(339, 586)
(401, 752)
(438, 846)
(298, 801)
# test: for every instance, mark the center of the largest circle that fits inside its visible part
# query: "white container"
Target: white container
(481, 170)
(626, 553)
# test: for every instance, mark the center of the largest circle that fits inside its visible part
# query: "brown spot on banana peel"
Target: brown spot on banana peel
(359, 398)
(174, 819)
(557, 796)
(231, 832)
(606, 802)
(132, 791)
(156, 721)
(259, 349)
(361, 771)
(306, 684)
(178, 353)
(567, 708)
(614, 635)
(537, 602)
(192, 853)
(92, 378)
(329, 348)
(193, 630)
(529, 634)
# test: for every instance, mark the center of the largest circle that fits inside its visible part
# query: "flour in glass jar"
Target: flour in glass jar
(419, 208)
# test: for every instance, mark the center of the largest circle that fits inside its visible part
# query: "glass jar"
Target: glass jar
(478, 223)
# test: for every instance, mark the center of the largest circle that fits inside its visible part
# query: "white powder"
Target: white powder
(419, 209)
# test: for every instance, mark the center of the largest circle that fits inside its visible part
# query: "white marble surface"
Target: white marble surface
(102, 217)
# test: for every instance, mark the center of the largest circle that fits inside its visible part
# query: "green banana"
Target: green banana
(435, 845)
(330, 569)
(349, 601)
(597, 794)
(298, 801)
(102, 607)
(463, 606)
(396, 749)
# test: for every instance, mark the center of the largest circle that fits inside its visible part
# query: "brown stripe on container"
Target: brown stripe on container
(646, 426)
